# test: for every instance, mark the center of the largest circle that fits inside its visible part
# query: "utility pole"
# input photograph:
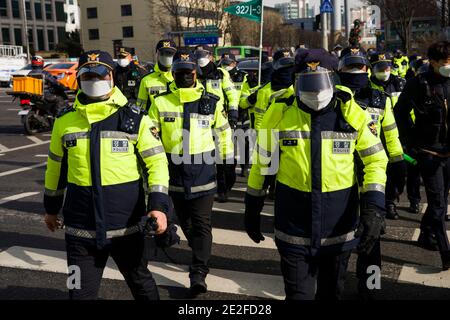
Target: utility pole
(324, 25)
(348, 18)
(25, 26)
(336, 28)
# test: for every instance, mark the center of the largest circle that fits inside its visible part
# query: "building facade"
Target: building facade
(46, 21)
(73, 15)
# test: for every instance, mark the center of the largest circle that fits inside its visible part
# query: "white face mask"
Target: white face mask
(96, 89)
(445, 71)
(383, 76)
(123, 62)
(203, 62)
(317, 100)
(228, 68)
(165, 61)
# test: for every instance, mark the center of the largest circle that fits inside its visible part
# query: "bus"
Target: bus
(240, 52)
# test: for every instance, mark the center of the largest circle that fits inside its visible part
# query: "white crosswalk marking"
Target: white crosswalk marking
(10, 172)
(219, 280)
(416, 234)
(425, 275)
(18, 197)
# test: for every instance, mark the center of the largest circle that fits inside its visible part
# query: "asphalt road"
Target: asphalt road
(32, 260)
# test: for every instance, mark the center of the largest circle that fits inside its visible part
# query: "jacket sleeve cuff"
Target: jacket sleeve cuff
(376, 198)
(53, 205)
(158, 201)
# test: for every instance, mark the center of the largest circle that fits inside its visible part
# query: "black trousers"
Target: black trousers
(195, 221)
(226, 177)
(413, 183)
(436, 177)
(309, 277)
(392, 190)
(364, 261)
(127, 253)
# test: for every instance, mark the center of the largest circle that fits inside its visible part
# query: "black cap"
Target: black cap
(95, 61)
(249, 65)
(380, 57)
(123, 52)
(184, 60)
(355, 56)
(353, 49)
(201, 53)
(228, 58)
(282, 58)
(166, 44)
(313, 58)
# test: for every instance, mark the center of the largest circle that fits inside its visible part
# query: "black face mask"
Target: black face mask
(282, 78)
(354, 80)
(252, 78)
(184, 80)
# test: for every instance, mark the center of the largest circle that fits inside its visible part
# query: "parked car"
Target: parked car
(66, 73)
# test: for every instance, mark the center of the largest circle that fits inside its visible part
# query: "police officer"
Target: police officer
(382, 80)
(400, 64)
(353, 72)
(428, 142)
(229, 63)
(54, 92)
(157, 81)
(281, 80)
(246, 112)
(93, 160)
(128, 74)
(317, 200)
(185, 116)
(218, 82)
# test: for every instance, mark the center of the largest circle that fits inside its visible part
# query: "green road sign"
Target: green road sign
(249, 10)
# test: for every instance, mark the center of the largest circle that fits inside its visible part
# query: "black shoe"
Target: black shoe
(427, 241)
(447, 217)
(391, 212)
(445, 257)
(198, 284)
(414, 208)
(222, 198)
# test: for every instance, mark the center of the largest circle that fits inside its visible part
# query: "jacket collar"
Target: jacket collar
(186, 95)
(98, 111)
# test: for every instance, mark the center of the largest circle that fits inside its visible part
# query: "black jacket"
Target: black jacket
(427, 95)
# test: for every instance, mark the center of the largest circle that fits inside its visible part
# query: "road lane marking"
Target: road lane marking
(416, 234)
(41, 156)
(18, 196)
(26, 146)
(425, 276)
(3, 148)
(237, 238)
(34, 139)
(165, 274)
(16, 109)
(239, 212)
(10, 172)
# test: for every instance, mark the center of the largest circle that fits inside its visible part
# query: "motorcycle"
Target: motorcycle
(37, 114)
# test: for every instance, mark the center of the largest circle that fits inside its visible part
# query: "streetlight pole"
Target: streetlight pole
(25, 26)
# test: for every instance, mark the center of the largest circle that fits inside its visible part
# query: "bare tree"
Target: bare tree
(400, 14)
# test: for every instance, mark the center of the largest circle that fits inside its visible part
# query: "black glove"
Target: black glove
(397, 172)
(253, 208)
(252, 98)
(233, 117)
(370, 227)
